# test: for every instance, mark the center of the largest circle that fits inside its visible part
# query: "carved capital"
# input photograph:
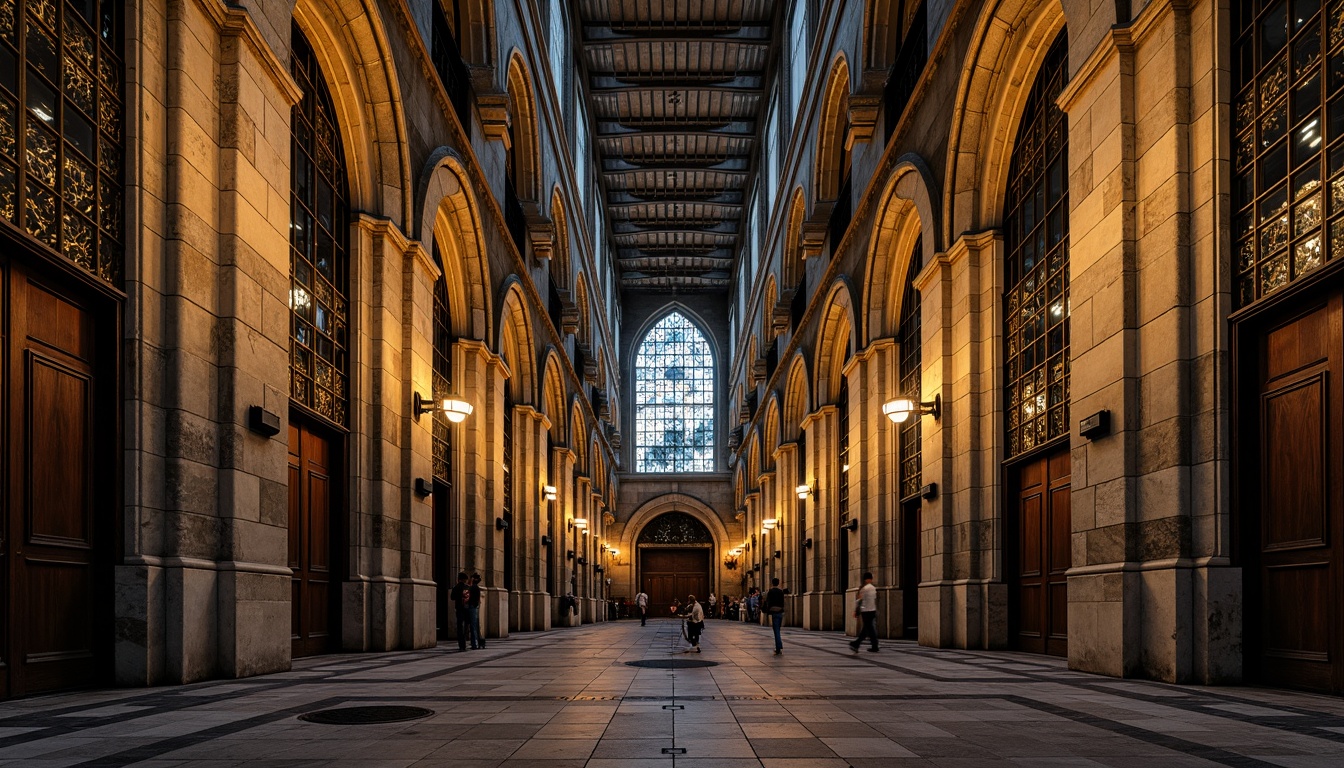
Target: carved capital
(494, 110)
(815, 229)
(758, 371)
(863, 111)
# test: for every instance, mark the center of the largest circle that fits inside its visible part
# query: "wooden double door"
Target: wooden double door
(58, 460)
(314, 538)
(1041, 553)
(1289, 497)
(672, 574)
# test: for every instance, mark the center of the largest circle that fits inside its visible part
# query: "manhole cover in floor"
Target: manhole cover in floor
(366, 715)
(671, 663)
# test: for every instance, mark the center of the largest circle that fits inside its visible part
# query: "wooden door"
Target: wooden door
(445, 576)
(1039, 518)
(910, 565)
(1291, 494)
(672, 574)
(57, 508)
(314, 593)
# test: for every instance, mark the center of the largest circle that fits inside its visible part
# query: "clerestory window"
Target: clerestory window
(674, 399)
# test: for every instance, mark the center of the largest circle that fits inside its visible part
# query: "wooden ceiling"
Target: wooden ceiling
(677, 89)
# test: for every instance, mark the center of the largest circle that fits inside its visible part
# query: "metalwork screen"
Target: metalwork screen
(1036, 228)
(674, 399)
(319, 220)
(911, 372)
(61, 111)
(443, 373)
(1288, 117)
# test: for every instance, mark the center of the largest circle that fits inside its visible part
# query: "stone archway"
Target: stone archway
(674, 556)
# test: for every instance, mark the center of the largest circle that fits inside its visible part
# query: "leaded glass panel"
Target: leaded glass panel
(1036, 230)
(1288, 118)
(60, 176)
(675, 528)
(674, 399)
(911, 373)
(319, 223)
(443, 371)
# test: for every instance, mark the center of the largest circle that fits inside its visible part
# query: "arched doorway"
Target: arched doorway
(675, 551)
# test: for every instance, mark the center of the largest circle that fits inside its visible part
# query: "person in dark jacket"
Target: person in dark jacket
(774, 608)
(461, 597)
(477, 639)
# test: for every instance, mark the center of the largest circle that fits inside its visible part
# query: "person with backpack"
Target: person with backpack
(642, 605)
(865, 608)
(774, 608)
(461, 597)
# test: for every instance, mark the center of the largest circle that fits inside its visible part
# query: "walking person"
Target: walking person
(461, 597)
(477, 639)
(695, 622)
(713, 602)
(642, 605)
(774, 608)
(865, 608)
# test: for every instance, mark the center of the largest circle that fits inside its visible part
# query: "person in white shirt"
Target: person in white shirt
(642, 605)
(865, 608)
(713, 601)
(695, 622)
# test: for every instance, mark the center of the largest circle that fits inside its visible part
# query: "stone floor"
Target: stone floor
(568, 698)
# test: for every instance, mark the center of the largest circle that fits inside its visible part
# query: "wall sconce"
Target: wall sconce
(769, 523)
(730, 561)
(549, 490)
(929, 492)
(603, 547)
(423, 487)
(456, 410)
(545, 540)
(803, 491)
(852, 525)
(614, 552)
(755, 567)
(569, 554)
(776, 554)
(581, 561)
(597, 569)
(263, 422)
(807, 543)
(501, 524)
(899, 410)
(581, 523)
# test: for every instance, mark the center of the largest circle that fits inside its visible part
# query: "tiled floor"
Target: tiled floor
(567, 698)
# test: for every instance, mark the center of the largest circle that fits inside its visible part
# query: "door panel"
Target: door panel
(672, 574)
(312, 541)
(1291, 416)
(57, 511)
(1039, 516)
(910, 567)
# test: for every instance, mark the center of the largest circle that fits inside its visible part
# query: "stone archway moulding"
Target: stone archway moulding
(674, 502)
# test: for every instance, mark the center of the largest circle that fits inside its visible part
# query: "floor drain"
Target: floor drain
(366, 715)
(671, 663)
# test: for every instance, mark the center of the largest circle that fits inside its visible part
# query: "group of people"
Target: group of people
(466, 597)
(865, 609)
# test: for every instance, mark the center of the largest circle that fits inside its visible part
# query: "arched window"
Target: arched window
(443, 376)
(319, 220)
(1279, 136)
(63, 114)
(674, 399)
(1036, 227)
(911, 375)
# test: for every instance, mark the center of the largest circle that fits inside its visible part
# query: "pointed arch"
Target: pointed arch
(515, 344)
(553, 396)
(753, 460)
(905, 215)
(832, 156)
(578, 432)
(797, 402)
(525, 173)
(793, 268)
(836, 342)
(771, 297)
(560, 261)
(1007, 49)
(674, 502)
(352, 48)
(771, 439)
(449, 218)
(675, 378)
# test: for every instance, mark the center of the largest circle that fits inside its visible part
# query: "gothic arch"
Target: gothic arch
(905, 214)
(553, 396)
(560, 262)
(656, 317)
(351, 46)
(771, 422)
(838, 336)
(831, 132)
(523, 117)
(797, 403)
(585, 334)
(578, 430)
(1008, 47)
(516, 345)
(793, 268)
(770, 298)
(449, 217)
(674, 502)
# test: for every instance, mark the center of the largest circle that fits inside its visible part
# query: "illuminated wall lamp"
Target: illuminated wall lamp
(803, 491)
(769, 523)
(549, 490)
(899, 410)
(581, 523)
(456, 410)
(614, 552)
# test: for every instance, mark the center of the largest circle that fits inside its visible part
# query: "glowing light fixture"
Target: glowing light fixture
(581, 523)
(769, 523)
(549, 490)
(456, 410)
(899, 409)
(803, 491)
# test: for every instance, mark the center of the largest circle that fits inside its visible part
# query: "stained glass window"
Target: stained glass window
(319, 220)
(443, 372)
(1036, 230)
(61, 128)
(674, 399)
(911, 373)
(1288, 119)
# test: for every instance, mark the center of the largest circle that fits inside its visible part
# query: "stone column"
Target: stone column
(791, 510)
(583, 498)
(777, 538)
(481, 374)
(562, 511)
(529, 473)
(823, 604)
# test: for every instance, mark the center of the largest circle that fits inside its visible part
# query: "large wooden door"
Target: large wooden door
(1291, 493)
(58, 505)
(313, 526)
(1039, 518)
(910, 565)
(672, 574)
(445, 576)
